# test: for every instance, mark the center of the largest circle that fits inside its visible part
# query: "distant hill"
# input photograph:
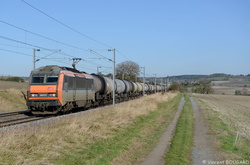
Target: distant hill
(188, 77)
(212, 77)
(195, 78)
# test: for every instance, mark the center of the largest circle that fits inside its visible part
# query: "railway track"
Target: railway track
(18, 117)
(5, 114)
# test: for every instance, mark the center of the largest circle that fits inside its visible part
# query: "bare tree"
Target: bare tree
(127, 70)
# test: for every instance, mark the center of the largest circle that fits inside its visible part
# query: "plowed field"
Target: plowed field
(233, 110)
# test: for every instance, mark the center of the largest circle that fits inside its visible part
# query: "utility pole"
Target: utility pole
(143, 80)
(113, 75)
(98, 69)
(155, 82)
(123, 74)
(34, 58)
(161, 85)
(165, 85)
(34, 55)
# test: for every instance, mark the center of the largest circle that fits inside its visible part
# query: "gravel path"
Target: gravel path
(204, 151)
(156, 157)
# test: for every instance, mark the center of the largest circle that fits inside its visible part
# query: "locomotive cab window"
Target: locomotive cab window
(37, 79)
(51, 79)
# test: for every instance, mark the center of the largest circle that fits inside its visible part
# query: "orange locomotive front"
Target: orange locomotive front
(44, 91)
(55, 89)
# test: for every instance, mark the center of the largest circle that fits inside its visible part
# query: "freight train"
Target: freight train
(54, 89)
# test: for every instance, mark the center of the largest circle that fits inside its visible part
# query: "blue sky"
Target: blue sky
(167, 37)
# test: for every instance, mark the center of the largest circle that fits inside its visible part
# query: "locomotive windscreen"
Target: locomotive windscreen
(44, 79)
(51, 79)
(37, 79)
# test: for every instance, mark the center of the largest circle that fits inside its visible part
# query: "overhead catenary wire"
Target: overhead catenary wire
(42, 36)
(57, 41)
(6, 50)
(15, 46)
(32, 45)
(123, 55)
(50, 59)
(10, 39)
(87, 61)
(94, 52)
(45, 37)
(67, 26)
(60, 42)
(25, 43)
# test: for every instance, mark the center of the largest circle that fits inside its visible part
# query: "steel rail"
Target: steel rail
(21, 121)
(5, 114)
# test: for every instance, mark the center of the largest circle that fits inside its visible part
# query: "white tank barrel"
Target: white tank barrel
(120, 86)
(129, 86)
(135, 87)
(140, 89)
(109, 85)
(99, 84)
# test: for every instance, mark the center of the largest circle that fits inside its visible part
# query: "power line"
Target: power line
(92, 51)
(25, 30)
(83, 60)
(42, 36)
(45, 37)
(65, 24)
(74, 30)
(15, 46)
(123, 55)
(15, 52)
(57, 40)
(6, 50)
(25, 43)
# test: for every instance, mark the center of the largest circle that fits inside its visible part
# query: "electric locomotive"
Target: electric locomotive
(53, 89)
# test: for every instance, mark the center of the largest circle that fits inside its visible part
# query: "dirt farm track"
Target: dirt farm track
(233, 110)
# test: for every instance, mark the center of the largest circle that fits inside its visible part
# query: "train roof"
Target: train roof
(54, 69)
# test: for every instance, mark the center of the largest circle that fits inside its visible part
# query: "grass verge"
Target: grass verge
(12, 100)
(182, 142)
(140, 136)
(226, 136)
(114, 135)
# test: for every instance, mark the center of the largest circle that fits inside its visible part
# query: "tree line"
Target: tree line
(13, 79)
(204, 87)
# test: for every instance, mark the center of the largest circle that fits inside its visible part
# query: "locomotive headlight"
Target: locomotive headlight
(34, 95)
(52, 94)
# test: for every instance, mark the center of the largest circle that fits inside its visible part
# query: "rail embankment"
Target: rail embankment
(123, 134)
(12, 100)
(11, 97)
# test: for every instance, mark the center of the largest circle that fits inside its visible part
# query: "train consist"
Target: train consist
(53, 89)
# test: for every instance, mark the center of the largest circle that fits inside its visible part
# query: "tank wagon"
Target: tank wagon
(54, 89)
